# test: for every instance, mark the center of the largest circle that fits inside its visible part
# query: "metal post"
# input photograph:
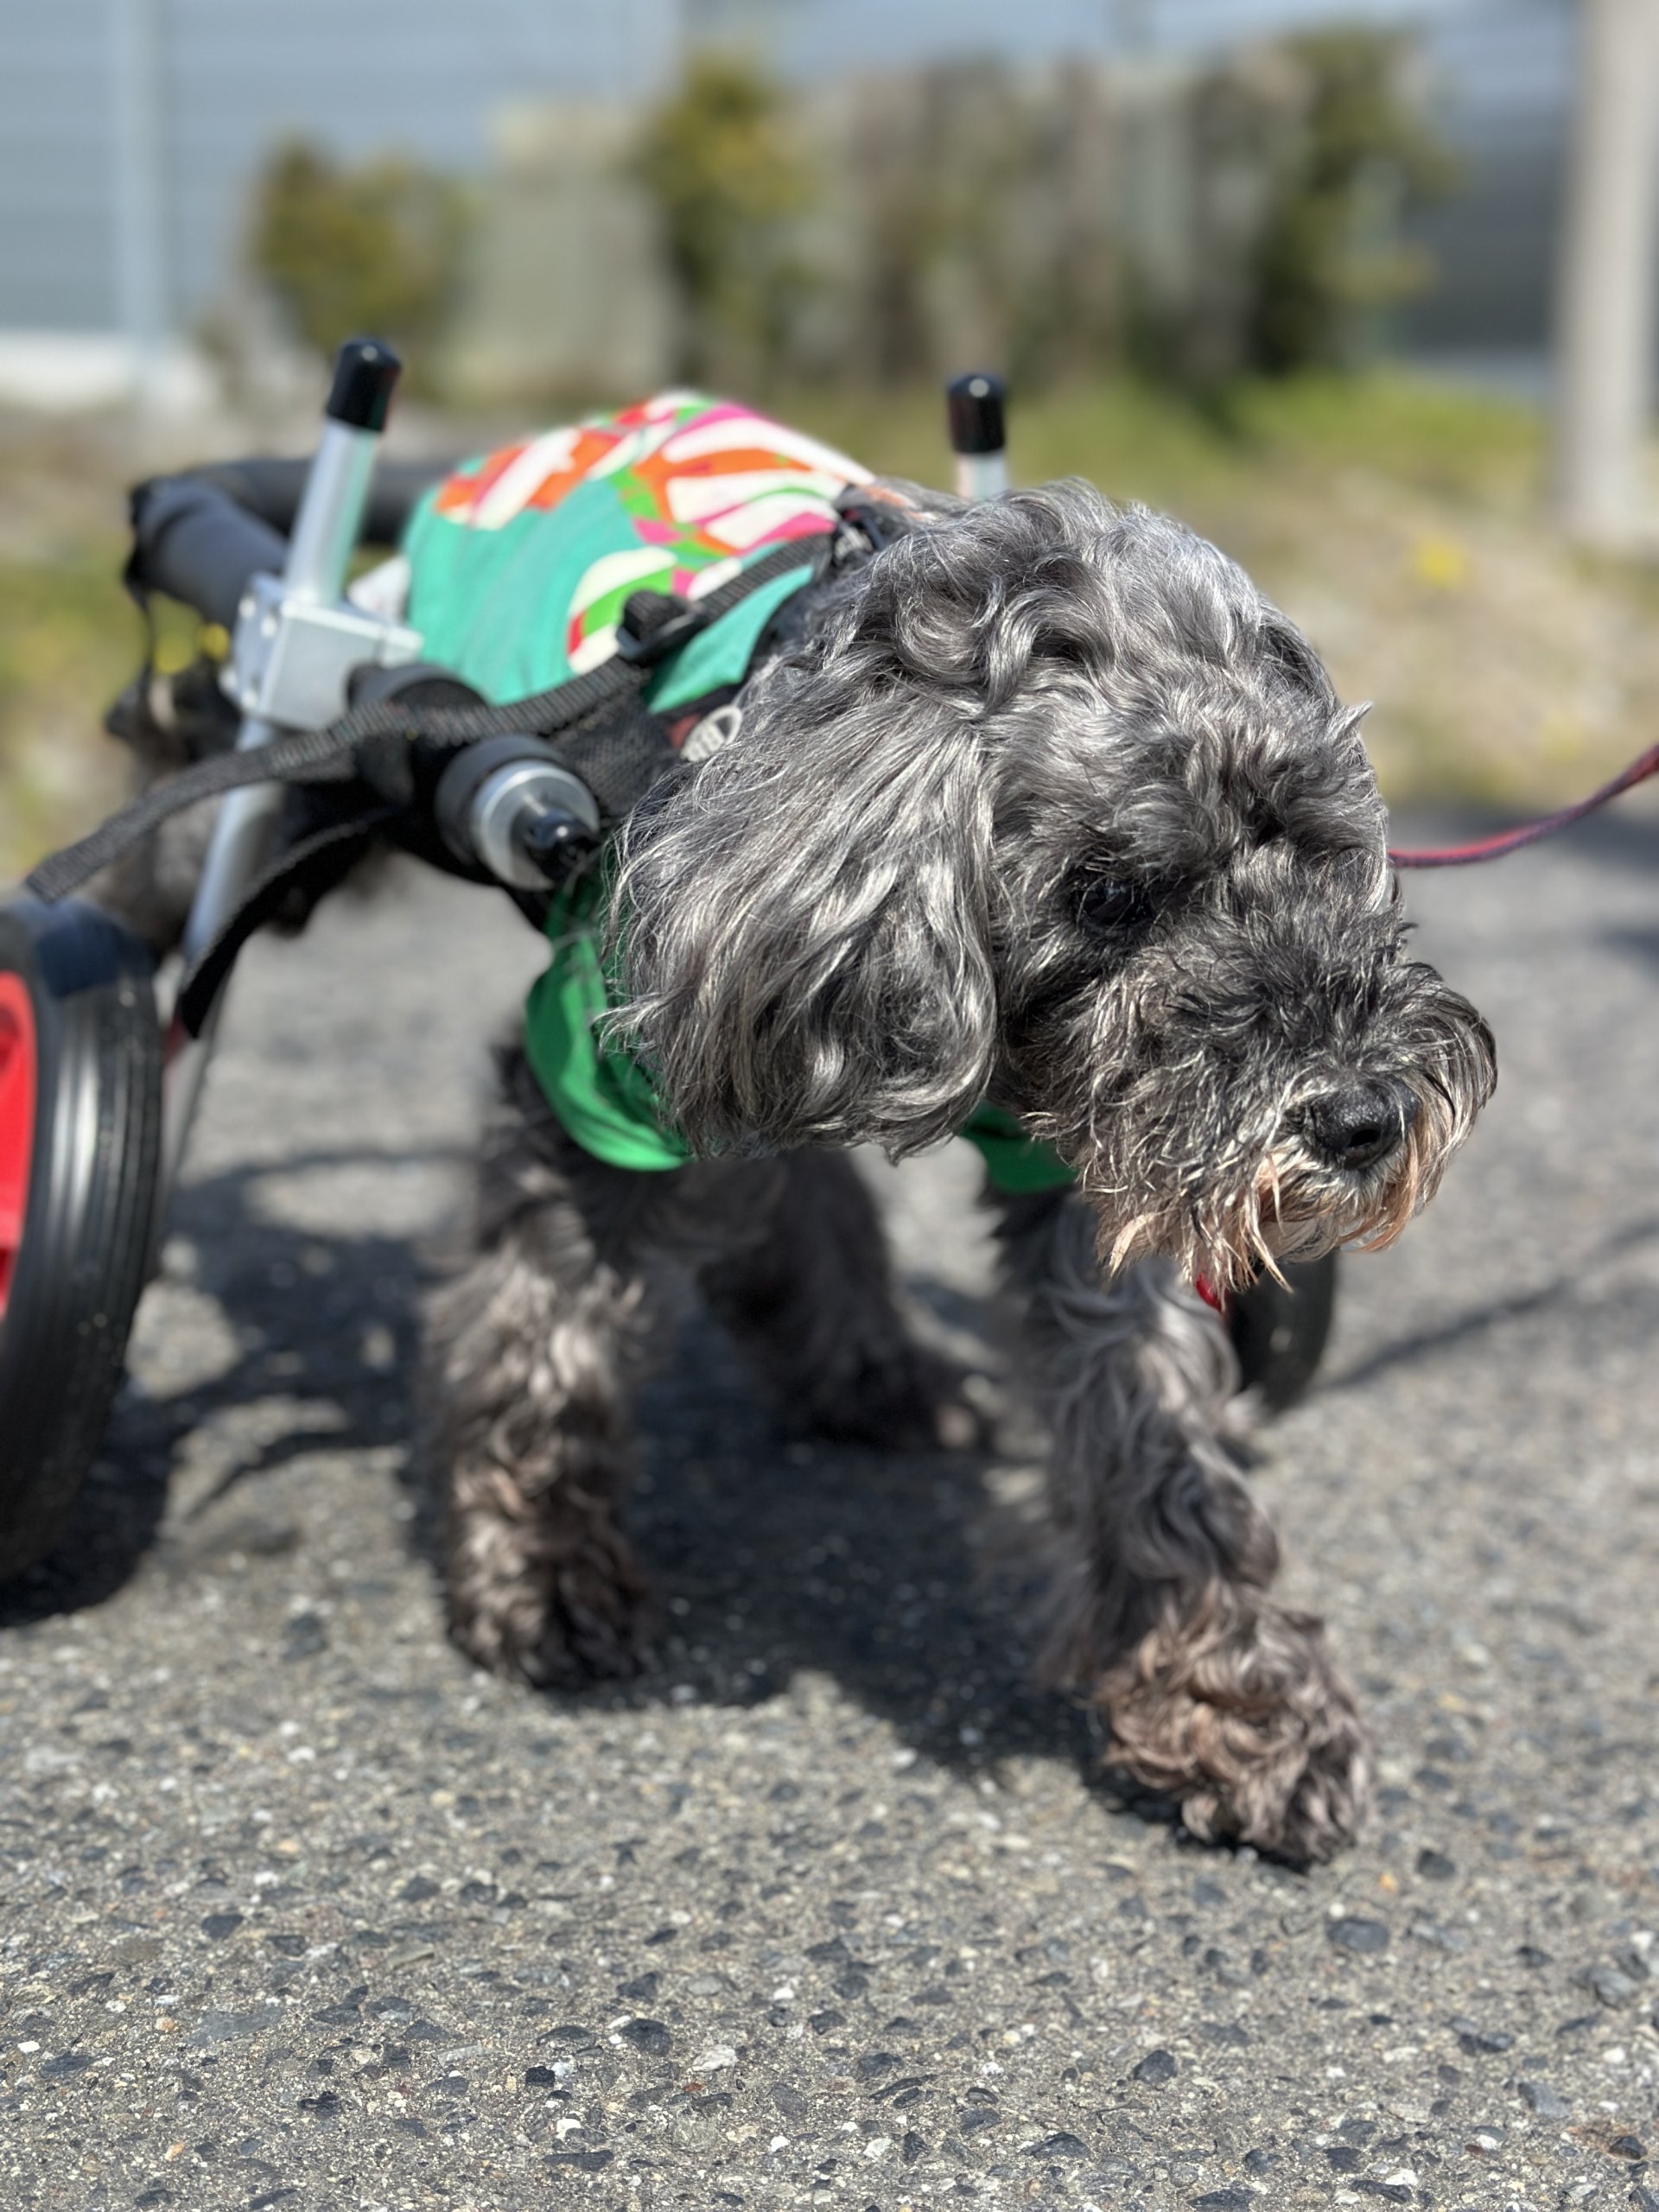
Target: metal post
(978, 438)
(1605, 368)
(325, 531)
(137, 62)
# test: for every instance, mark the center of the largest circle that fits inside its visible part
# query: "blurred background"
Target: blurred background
(1363, 291)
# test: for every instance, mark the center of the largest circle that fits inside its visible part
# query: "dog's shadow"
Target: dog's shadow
(770, 1554)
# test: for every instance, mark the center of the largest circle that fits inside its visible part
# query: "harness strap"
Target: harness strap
(372, 741)
(314, 865)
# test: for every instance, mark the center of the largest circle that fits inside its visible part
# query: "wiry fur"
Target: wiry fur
(1050, 806)
(862, 918)
(1044, 804)
(580, 1272)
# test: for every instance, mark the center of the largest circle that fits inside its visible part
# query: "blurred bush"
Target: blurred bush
(720, 165)
(343, 250)
(1194, 222)
(1358, 156)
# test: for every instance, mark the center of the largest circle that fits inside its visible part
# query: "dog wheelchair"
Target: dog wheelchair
(323, 701)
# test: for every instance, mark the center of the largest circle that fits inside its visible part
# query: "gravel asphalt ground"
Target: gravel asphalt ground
(297, 1910)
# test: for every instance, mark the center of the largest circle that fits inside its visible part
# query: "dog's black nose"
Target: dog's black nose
(1355, 1128)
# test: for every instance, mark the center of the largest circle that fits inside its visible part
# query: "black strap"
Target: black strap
(308, 756)
(370, 740)
(314, 865)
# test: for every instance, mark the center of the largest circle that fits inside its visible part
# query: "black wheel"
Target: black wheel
(81, 1089)
(1279, 1329)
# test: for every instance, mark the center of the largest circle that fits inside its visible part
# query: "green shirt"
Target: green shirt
(520, 565)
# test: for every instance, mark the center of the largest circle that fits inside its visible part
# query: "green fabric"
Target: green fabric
(493, 600)
(609, 1104)
(1014, 1163)
(601, 1095)
(493, 605)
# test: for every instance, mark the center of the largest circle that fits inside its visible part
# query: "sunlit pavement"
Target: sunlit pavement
(296, 1908)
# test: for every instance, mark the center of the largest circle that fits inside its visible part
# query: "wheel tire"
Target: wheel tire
(80, 1093)
(1279, 1329)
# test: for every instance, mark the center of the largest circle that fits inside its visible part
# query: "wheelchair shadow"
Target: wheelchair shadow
(290, 1342)
(770, 1553)
(1563, 1294)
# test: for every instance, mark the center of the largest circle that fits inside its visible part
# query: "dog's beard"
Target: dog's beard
(1259, 1196)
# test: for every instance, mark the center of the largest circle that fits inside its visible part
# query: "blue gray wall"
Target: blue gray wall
(424, 75)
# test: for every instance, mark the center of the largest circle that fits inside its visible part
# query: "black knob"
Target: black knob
(364, 372)
(553, 842)
(974, 403)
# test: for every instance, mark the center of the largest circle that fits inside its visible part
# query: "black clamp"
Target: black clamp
(655, 624)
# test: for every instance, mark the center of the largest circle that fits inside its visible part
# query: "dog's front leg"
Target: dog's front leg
(1162, 1557)
(529, 1356)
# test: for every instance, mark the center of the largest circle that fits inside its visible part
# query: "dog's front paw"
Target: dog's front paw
(549, 1596)
(1249, 1726)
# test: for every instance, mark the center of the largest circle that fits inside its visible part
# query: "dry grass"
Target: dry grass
(1400, 523)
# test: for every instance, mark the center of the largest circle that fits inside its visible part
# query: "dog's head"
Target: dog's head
(1052, 807)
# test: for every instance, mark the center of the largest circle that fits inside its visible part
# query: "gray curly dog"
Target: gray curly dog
(1040, 806)
(1043, 804)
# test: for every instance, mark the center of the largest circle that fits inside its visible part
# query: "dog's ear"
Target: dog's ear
(805, 920)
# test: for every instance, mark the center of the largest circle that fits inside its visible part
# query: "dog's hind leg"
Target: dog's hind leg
(530, 1353)
(810, 1299)
(1162, 1557)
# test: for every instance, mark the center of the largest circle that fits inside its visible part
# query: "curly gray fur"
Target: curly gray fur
(1043, 804)
(1050, 806)
(874, 909)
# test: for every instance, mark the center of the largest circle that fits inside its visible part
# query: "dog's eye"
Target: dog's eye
(1112, 903)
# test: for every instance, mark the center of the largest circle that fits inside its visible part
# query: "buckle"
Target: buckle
(655, 624)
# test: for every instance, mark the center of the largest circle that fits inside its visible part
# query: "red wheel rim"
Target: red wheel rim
(19, 1084)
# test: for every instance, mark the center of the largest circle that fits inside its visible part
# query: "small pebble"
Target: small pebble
(1479, 2041)
(1058, 2146)
(1611, 1987)
(1546, 2102)
(1156, 2067)
(1363, 1937)
(306, 1637)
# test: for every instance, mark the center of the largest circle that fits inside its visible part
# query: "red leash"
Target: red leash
(1510, 841)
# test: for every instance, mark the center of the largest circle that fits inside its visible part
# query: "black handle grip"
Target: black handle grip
(975, 405)
(192, 540)
(271, 489)
(366, 372)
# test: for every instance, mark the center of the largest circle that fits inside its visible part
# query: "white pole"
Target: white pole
(138, 101)
(1605, 334)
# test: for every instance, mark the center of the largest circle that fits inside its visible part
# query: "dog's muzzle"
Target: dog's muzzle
(1356, 1127)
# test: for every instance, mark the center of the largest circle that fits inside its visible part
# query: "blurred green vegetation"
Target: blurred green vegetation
(347, 250)
(718, 163)
(1400, 521)
(970, 204)
(69, 640)
(1359, 156)
(1241, 219)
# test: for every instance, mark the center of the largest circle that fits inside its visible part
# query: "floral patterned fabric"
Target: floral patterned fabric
(521, 564)
(522, 561)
